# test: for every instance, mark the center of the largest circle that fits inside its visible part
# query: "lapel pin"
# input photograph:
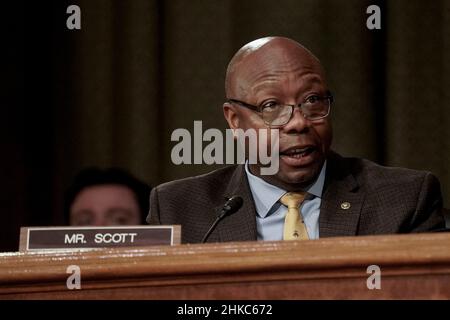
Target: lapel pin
(345, 205)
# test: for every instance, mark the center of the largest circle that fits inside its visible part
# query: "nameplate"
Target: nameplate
(68, 238)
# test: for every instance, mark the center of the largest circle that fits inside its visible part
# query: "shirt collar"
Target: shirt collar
(266, 195)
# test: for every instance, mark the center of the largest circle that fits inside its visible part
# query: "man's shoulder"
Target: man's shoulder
(370, 173)
(395, 199)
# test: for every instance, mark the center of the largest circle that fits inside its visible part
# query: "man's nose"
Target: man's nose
(298, 123)
(99, 220)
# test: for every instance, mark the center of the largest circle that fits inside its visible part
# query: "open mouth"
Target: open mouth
(298, 153)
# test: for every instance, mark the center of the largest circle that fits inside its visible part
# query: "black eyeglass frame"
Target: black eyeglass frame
(257, 109)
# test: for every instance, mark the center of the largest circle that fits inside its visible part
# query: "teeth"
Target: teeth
(296, 155)
(296, 151)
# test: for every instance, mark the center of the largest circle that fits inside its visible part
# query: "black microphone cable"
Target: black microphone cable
(231, 206)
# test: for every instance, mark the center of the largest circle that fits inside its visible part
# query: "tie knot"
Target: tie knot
(293, 199)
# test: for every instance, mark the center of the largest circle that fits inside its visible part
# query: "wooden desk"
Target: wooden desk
(412, 266)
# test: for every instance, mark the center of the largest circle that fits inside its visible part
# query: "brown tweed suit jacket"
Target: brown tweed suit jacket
(383, 201)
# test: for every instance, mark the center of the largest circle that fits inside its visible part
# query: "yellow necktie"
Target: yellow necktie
(294, 226)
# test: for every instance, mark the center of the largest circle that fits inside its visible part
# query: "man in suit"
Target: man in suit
(275, 83)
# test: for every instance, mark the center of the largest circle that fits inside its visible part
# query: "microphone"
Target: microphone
(231, 206)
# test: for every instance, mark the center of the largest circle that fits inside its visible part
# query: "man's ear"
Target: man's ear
(230, 113)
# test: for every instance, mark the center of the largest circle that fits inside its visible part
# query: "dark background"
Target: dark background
(111, 93)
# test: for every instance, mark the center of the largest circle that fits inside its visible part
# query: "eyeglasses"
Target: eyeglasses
(275, 114)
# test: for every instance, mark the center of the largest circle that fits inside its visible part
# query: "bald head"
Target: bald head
(277, 53)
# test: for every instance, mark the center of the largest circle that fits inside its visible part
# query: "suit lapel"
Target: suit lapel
(340, 209)
(241, 225)
(342, 201)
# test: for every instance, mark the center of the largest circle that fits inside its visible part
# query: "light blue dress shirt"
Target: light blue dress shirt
(271, 213)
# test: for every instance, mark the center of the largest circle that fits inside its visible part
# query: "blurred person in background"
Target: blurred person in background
(106, 197)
